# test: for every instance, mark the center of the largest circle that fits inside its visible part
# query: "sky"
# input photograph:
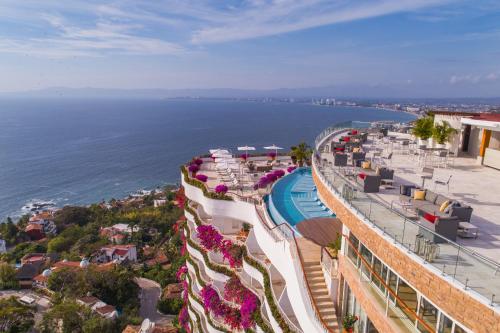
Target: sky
(415, 48)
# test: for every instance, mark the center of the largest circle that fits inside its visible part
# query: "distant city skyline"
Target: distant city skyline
(385, 48)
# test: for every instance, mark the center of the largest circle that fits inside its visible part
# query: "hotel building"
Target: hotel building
(394, 269)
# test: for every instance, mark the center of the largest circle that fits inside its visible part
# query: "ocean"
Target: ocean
(76, 151)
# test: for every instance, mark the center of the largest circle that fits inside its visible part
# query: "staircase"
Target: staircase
(311, 254)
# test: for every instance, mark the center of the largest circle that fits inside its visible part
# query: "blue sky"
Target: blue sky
(398, 47)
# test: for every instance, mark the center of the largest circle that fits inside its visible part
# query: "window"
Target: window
(381, 270)
(428, 313)
(445, 324)
(409, 296)
(351, 253)
(367, 256)
(393, 284)
(459, 329)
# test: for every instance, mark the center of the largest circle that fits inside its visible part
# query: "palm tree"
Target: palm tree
(302, 153)
(423, 127)
(442, 132)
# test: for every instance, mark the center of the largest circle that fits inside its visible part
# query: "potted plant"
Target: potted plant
(302, 153)
(442, 133)
(423, 129)
(348, 323)
(334, 247)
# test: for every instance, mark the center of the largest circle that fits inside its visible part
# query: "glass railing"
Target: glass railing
(472, 270)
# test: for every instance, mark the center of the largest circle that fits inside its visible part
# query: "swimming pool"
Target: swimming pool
(294, 199)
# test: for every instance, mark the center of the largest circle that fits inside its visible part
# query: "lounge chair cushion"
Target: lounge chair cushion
(365, 165)
(441, 199)
(431, 196)
(419, 195)
(443, 206)
(429, 217)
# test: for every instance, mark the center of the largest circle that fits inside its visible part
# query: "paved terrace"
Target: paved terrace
(245, 178)
(472, 184)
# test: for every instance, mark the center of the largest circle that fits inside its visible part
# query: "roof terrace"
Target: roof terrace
(469, 261)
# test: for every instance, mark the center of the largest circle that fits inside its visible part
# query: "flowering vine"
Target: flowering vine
(209, 237)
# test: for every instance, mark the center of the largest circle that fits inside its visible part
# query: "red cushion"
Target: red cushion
(354, 132)
(429, 217)
(362, 175)
(346, 138)
(340, 149)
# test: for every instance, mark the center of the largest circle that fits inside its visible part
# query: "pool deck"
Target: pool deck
(472, 184)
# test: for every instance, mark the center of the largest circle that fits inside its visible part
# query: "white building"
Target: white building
(118, 253)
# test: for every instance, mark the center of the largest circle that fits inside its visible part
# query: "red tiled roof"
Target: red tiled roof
(41, 278)
(67, 264)
(488, 117)
(105, 309)
(33, 226)
(121, 252)
(89, 299)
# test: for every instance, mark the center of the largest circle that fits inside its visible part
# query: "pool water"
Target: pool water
(294, 199)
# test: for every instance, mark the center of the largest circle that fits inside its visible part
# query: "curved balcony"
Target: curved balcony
(277, 243)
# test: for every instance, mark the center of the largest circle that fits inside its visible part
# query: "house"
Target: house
(118, 233)
(26, 273)
(106, 311)
(35, 231)
(98, 306)
(159, 202)
(46, 220)
(118, 253)
(3, 246)
(87, 301)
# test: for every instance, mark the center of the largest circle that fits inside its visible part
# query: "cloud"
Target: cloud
(266, 18)
(474, 79)
(103, 38)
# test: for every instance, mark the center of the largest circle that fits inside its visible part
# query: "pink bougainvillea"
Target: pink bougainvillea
(232, 253)
(279, 173)
(198, 161)
(202, 178)
(181, 273)
(184, 319)
(221, 189)
(291, 169)
(247, 310)
(209, 237)
(235, 292)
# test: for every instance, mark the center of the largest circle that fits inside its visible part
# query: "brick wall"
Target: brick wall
(452, 300)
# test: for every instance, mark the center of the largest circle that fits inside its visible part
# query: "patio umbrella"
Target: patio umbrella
(219, 151)
(273, 147)
(246, 149)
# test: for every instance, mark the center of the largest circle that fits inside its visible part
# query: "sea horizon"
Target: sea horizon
(81, 151)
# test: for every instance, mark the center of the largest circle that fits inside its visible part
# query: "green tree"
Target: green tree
(14, 316)
(442, 132)
(170, 305)
(423, 127)
(65, 240)
(302, 153)
(66, 317)
(99, 324)
(69, 282)
(73, 215)
(7, 276)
